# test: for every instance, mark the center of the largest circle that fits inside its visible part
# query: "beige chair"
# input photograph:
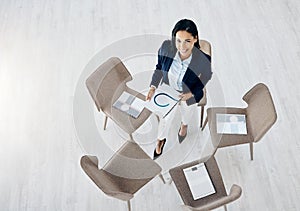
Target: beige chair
(215, 200)
(206, 48)
(260, 116)
(129, 169)
(105, 85)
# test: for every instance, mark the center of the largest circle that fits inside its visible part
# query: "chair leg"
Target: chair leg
(201, 116)
(157, 117)
(105, 122)
(251, 150)
(225, 208)
(205, 122)
(129, 205)
(162, 178)
(131, 137)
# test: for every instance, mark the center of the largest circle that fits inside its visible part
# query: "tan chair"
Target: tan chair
(260, 116)
(205, 46)
(215, 200)
(105, 85)
(129, 169)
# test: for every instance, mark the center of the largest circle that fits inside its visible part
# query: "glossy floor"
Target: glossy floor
(46, 46)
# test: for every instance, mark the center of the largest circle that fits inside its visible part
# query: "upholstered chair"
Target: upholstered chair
(260, 115)
(209, 202)
(105, 86)
(128, 170)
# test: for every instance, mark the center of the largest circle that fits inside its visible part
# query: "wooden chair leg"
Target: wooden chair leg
(251, 150)
(162, 178)
(205, 122)
(129, 205)
(105, 122)
(225, 207)
(201, 116)
(157, 117)
(131, 137)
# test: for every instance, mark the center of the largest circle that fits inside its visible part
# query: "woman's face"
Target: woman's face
(185, 43)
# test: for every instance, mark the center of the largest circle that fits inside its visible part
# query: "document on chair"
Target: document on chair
(199, 181)
(163, 101)
(130, 104)
(231, 124)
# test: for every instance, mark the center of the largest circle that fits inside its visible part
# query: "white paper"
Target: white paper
(130, 104)
(163, 100)
(231, 124)
(199, 181)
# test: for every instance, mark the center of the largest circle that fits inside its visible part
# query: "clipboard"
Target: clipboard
(164, 100)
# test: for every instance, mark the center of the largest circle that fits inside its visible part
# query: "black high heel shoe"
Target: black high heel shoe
(181, 138)
(155, 154)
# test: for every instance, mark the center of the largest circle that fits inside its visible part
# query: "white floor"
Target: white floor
(46, 47)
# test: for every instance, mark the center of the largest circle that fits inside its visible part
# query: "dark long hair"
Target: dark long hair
(185, 25)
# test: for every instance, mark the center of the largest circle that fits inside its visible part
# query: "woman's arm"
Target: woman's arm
(150, 93)
(206, 74)
(157, 74)
(206, 70)
(186, 96)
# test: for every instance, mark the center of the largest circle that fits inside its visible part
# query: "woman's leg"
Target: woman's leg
(162, 131)
(165, 124)
(164, 127)
(187, 114)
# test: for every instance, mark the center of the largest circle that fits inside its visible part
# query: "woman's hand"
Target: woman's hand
(150, 93)
(186, 96)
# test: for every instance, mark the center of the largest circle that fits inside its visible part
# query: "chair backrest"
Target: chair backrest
(261, 113)
(129, 169)
(235, 193)
(101, 178)
(107, 82)
(205, 46)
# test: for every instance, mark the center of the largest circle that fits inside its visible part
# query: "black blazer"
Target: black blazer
(199, 65)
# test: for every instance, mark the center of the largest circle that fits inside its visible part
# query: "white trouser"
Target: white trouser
(187, 113)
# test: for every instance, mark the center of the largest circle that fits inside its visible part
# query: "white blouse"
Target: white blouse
(177, 71)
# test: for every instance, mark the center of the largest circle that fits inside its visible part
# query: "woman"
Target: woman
(180, 63)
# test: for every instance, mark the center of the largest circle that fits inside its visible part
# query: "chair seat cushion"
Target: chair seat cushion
(182, 186)
(130, 161)
(223, 140)
(128, 123)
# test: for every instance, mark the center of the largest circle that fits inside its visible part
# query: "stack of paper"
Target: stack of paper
(199, 181)
(231, 124)
(130, 104)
